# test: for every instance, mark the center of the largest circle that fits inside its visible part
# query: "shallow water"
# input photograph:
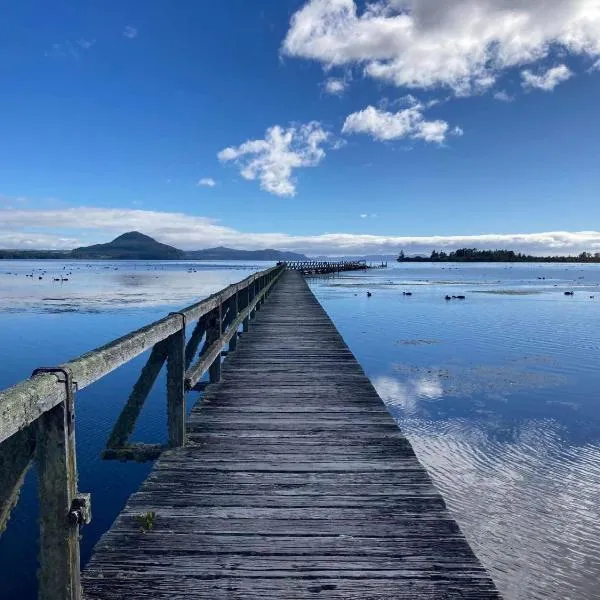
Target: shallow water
(497, 393)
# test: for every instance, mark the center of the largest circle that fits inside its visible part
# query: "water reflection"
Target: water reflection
(527, 502)
(408, 394)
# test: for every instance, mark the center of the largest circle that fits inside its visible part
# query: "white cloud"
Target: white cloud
(547, 80)
(70, 227)
(335, 86)
(464, 45)
(130, 32)
(503, 96)
(85, 44)
(272, 160)
(207, 181)
(406, 123)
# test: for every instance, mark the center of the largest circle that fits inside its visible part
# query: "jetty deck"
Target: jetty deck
(294, 483)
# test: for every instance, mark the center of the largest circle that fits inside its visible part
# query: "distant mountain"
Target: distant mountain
(132, 245)
(137, 246)
(222, 253)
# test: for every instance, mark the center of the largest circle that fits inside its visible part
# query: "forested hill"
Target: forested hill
(474, 255)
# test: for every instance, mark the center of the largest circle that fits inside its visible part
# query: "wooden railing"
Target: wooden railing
(37, 416)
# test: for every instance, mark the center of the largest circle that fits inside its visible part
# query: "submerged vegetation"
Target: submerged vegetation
(475, 255)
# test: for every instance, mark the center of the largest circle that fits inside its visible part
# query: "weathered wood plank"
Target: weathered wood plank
(296, 482)
(57, 475)
(176, 388)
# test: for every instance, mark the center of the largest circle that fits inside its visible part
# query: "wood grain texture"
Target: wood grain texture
(295, 483)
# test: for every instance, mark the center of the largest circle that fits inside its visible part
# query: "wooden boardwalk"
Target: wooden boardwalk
(295, 483)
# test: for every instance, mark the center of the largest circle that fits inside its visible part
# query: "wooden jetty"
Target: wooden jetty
(290, 480)
(321, 267)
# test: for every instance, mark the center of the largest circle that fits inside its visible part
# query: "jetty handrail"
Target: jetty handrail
(37, 415)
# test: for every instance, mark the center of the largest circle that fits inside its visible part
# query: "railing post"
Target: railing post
(261, 287)
(253, 311)
(236, 310)
(59, 520)
(176, 386)
(246, 322)
(215, 333)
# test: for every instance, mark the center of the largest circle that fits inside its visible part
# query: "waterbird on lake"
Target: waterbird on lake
(407, 293)
(448, 297)
(569, 293)
(369, 294)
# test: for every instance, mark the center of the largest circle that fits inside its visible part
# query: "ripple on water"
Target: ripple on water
(524, 497)
(545, 544)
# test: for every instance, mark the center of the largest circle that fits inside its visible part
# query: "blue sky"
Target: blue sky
(323, 125)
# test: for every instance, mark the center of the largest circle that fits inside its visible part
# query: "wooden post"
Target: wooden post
(261, 283)
(57, 474)
(236, 309)
(246, 322)
(253, 295)
(176, 387)
(215, 332)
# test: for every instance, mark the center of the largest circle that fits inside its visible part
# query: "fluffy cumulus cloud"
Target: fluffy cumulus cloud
(71, 227)
(207, 182)
(272, 160)
(406, 123)
(546, 80)
(464, 45)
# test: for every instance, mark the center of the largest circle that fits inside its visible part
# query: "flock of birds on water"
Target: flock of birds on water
(462, 297)
(65, 277)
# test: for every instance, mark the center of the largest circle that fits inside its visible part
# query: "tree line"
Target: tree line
(475, 255)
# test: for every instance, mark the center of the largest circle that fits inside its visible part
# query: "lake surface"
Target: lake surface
(498, 394)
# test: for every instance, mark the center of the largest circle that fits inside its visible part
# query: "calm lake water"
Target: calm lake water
(497, 393)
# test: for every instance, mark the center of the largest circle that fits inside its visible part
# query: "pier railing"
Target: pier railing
(37, 415)
(316, 267)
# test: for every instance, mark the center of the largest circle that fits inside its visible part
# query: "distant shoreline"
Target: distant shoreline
(472, 255)
(541, 259)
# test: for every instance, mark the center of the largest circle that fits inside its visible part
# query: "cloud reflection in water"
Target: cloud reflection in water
(527, 501)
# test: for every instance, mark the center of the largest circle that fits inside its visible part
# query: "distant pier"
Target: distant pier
(315, 267)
